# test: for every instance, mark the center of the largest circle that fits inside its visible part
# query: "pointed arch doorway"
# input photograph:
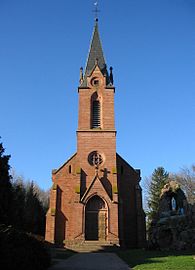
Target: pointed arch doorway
(96, 218)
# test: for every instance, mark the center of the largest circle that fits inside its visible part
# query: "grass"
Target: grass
(158, 260)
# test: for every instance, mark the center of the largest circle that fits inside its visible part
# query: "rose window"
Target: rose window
(95, 159)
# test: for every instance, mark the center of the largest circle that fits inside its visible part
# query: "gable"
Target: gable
(70, 160)
(121, 162)
(95, 188)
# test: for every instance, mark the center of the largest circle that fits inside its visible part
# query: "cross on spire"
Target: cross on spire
(96, 10)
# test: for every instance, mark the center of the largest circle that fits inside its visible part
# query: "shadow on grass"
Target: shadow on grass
(138, 256)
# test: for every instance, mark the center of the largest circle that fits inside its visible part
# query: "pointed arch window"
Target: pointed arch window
(96, 112)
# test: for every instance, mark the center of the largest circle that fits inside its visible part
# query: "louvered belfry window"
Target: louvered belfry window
(96, 114)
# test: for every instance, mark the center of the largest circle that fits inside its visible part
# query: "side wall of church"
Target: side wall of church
(130, 223)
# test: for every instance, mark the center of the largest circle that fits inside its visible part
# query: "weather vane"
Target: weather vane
(96, 10)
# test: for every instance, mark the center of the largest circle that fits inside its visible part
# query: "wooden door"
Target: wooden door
(102, 226)
(91, 226)
(95, 219)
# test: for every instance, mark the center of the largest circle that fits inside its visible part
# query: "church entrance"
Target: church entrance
(96, 219)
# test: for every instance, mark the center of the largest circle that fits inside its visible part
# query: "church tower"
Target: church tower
(96, 194)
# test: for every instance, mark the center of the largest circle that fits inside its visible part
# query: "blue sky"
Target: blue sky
(151, 46)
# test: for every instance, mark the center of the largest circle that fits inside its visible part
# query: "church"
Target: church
(96, 195)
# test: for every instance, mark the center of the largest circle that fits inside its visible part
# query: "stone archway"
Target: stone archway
(96, 214)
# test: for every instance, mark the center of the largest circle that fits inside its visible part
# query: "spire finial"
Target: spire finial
(111, 75)
(96, 10)
(81, 75)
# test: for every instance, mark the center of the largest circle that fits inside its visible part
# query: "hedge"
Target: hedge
(19, 250)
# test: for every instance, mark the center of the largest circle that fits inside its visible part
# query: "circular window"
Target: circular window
(95, 81)
(95, 159)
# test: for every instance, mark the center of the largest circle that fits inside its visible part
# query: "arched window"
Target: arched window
(96, 121)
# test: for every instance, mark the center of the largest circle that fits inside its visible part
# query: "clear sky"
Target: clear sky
(151, 46)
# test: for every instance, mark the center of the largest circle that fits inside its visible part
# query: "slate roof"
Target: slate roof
(95, 55)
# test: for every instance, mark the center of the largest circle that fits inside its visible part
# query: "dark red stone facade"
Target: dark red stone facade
(96, 194)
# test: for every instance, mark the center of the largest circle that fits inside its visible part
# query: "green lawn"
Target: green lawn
(159, 260)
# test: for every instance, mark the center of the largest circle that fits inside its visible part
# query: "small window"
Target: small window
(96, 82)
(122, 170)
(70, 169)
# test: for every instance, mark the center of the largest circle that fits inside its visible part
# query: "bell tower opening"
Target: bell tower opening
(96, 110)
(96, 121)
(96, 219)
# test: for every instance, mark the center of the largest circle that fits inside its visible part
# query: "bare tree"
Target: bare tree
(30, 205)
(186, 178)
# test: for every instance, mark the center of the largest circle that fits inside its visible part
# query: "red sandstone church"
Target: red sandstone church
(96, 194)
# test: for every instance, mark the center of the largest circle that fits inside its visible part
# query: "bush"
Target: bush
(19, 250)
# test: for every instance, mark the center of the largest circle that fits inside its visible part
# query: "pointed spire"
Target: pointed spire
(95, 52)
(95, 55)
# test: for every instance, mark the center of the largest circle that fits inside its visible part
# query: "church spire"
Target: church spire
(95, 52)
(95, 56)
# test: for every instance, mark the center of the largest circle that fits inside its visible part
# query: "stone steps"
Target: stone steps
(94, 246)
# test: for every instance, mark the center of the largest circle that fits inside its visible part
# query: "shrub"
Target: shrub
(19, 250)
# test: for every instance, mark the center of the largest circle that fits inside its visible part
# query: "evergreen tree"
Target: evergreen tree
(30, 205)
(19, 204)
(158, 180)
(6, 193)
(22, 205)
(34, 212)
